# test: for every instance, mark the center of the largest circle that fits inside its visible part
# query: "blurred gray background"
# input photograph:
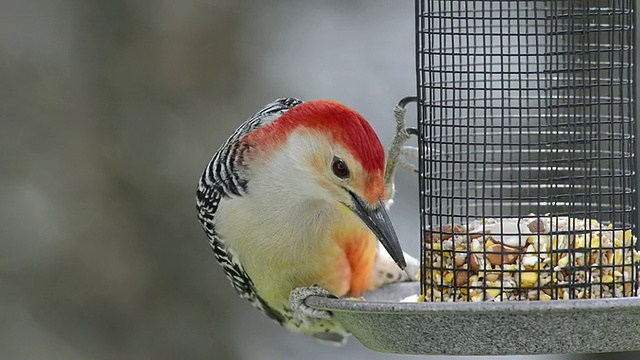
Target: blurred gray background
(109, 112)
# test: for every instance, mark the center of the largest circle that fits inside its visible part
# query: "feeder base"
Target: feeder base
(382, 323)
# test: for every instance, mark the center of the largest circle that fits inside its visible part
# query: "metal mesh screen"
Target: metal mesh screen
(527, 149)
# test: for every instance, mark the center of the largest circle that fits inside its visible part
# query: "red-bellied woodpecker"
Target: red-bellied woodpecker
(292, 204)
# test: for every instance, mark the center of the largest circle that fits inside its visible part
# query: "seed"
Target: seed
(498, 255)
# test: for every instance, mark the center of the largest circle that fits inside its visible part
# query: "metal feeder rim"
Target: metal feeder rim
(330, 304)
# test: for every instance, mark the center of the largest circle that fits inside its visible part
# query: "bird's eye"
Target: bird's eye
(340, 168)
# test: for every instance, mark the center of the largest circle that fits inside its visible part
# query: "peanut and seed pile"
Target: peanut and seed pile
(530, 258)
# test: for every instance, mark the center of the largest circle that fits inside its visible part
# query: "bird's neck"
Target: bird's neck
(293, 216)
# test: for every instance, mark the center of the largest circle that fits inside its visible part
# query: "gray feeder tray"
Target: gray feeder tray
(382, 323)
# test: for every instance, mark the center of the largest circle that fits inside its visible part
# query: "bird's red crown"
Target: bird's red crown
(345, 126)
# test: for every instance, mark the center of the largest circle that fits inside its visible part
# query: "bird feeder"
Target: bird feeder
(527, 184)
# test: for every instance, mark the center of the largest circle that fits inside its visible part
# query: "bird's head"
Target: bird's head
(327, 151)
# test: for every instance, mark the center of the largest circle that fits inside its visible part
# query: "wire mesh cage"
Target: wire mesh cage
(527, 139)
(528, 187)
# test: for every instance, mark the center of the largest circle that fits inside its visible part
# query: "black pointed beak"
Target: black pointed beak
(377, 220)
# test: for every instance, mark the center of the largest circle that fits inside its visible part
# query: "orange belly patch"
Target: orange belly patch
(360, 250)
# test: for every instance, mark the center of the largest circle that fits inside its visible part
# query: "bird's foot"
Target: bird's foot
(408, 152)
(397, 151)
(318, 323)
(302, 312)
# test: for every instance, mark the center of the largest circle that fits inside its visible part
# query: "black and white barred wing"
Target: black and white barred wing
(224, 177)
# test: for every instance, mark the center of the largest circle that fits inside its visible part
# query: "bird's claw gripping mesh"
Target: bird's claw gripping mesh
(527, 147)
